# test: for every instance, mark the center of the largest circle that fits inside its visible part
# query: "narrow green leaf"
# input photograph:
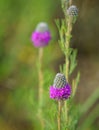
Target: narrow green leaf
(73, 61)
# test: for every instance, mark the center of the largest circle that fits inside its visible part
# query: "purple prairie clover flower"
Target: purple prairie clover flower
(60, 90)
(41, 36)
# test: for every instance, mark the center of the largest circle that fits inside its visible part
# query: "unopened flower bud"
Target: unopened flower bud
(60, 80)
(42, 27)
(72, 11)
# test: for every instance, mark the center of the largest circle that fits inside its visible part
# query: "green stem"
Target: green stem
(68, 22)
(67, 44)
(40, 89)
(67, 56)
(40, 75)
(59, 115)
(70, 2)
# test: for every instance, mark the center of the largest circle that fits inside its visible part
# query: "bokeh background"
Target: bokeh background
(18, 57)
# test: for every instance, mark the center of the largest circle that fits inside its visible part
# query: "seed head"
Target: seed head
(59, 81)
(42, 27)
(72, 11)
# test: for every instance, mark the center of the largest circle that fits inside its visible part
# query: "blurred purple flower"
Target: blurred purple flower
(41, 36)
(60, 90)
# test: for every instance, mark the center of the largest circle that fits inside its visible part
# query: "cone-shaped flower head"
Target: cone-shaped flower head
(60, 89)
(72, 11)
(41, 36)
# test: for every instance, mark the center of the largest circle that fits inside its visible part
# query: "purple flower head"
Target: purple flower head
(60, 90)
(41, 36)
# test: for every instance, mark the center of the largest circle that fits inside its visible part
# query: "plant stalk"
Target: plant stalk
(67, 44)
(40, 89)
(40, 75)
(59, 115)
(70, 2)
(68, 21)
(67, 56)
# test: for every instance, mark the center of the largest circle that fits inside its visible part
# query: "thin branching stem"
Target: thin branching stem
(67, 45)
(67, 56)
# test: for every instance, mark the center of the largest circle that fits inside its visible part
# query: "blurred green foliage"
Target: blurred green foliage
(18, 62)
(18, 59)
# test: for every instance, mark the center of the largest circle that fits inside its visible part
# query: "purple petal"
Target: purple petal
(60, 93)
(41, 39)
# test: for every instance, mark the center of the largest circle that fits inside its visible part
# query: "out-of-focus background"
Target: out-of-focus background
(18, 57)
